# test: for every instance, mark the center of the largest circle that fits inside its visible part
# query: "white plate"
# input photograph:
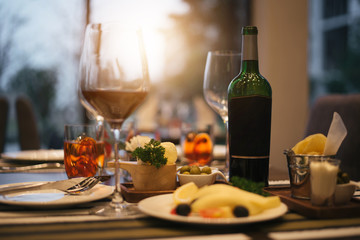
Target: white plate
(51, 198)
(160, 206)
(51, 155)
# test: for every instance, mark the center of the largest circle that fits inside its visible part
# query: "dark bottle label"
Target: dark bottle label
(249, 137)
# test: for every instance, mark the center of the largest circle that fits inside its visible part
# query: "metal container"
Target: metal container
(299, 173)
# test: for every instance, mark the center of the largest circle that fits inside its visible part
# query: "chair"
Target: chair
(348, 106)
(27, 127)
(4, 110)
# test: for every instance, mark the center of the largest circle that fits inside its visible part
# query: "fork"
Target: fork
(86, 184)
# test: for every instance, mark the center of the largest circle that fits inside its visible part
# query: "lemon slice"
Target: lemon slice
(185, 193)
(316, 144)
(300, 146)
(313, 144)
(170, 152)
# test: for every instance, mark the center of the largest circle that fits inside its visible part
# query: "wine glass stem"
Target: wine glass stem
(117, 198)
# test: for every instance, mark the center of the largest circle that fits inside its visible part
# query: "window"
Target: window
(333, 8)
(334, 54)
(335, 47)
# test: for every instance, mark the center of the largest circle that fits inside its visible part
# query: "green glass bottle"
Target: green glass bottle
(249, 111)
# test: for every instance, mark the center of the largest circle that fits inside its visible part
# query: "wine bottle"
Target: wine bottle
(249, 104)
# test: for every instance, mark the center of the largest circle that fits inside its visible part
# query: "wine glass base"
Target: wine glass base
(120, 210)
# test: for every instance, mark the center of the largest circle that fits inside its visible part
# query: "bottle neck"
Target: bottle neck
(250, 66)
(249, 62)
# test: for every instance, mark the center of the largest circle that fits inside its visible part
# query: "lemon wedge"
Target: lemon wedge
(311, 145)
(300, 146)
(185, 193)
(170, 152)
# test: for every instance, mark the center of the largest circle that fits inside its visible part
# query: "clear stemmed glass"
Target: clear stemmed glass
(221, 67)
(114, 81)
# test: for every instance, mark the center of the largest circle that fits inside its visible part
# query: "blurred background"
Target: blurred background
(307, 49)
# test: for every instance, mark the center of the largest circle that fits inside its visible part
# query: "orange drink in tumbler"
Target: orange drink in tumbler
(83, 156)
(203, 148)
(198, 148)
(188, 146)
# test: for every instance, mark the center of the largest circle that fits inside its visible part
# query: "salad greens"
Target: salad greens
(248, 185)
(152, 153)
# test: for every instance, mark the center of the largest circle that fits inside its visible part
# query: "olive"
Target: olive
(345, 177)
(195, 170)
(186, 173)
(184, 169)
(240, 211)
(183, 209)
(342, 177)
(206, 170)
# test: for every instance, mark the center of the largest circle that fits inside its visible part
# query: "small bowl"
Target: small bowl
(200, 180)
(344, 193)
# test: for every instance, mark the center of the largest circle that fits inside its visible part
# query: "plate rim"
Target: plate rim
(282, 209)
(13, 155)
(76, 199)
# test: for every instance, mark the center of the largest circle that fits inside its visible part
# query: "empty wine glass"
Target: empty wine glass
(114, 81)
(221, 67)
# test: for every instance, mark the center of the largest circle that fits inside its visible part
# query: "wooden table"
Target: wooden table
(76, 222)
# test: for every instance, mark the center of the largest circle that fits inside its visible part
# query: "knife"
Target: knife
(61, 185)
(30, 167)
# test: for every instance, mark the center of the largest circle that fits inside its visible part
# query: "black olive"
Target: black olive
(240, 211)
(183, 209)
(345, 177)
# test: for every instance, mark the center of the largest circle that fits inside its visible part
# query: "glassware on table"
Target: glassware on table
(221, 67)
(83, 150)
(197, 144)
(323, 177)
(114, 81)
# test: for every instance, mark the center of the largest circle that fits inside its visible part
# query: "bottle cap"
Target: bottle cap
(249, 30)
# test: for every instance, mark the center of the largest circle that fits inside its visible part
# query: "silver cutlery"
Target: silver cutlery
(86, 184)
(30, 167)
(71, 186)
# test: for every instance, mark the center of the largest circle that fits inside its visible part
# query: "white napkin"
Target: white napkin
(336, 135)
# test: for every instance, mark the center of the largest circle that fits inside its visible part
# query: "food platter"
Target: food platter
(161, 206)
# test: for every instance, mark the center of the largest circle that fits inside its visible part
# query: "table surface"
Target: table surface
(77, 222)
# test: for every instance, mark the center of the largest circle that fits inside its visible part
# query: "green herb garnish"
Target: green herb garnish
(152, 153)
(248, 185)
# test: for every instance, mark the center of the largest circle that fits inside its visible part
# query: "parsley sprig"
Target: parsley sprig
(152, 153)
(248, 185)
